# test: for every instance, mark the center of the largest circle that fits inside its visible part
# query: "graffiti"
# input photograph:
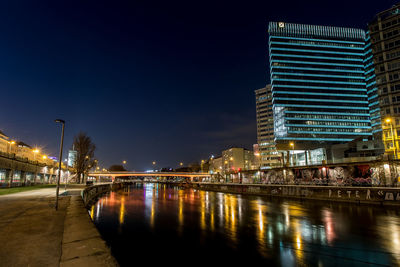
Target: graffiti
(274, 191)
(296, 191)
(253, 189)
(392, 196)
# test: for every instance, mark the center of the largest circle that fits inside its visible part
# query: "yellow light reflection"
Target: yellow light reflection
(212, 219)
(298, 241)
(152, 214)
(92, 212)
(122, 210)
(230, 208)
(203, 211)
(261, 219)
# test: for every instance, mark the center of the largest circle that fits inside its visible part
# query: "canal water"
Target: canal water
(148, 224)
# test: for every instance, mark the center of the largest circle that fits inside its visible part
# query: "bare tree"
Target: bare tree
(85, 155)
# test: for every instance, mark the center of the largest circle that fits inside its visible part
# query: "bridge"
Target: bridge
(114, 175)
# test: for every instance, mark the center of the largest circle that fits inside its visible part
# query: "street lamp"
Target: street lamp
(34, 153)
(60, 158)
(181, 164)
(10, 143)
(389, 121)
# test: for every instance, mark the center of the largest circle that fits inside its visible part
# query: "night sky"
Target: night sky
(148, 81)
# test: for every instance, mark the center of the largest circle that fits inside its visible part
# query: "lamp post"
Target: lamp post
(60, 158)
(154, 165)
(389, 121)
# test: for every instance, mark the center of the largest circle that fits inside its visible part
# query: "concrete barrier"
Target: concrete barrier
(367, 195)
(91, 193)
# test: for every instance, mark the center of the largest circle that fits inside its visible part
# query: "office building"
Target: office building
(384, 31)
(318, 88)
(267, 156)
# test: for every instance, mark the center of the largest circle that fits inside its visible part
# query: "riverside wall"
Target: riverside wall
(358, 195)
(91, 193)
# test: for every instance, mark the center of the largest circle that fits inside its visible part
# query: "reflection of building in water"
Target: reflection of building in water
(390, 233)
(327, 218)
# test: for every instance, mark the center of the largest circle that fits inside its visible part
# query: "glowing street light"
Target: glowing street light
(124, 162)
(44, 157)
(10, 143)
(181, 164)
(34, 153)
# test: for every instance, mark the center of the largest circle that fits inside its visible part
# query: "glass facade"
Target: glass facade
(318, 84)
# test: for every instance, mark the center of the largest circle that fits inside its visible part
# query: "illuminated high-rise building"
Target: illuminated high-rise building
(318, 85)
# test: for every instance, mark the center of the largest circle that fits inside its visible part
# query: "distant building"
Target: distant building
(216, 165)
(4, 143)
(72, 155)
(237, 159)
(24, 150)
(384, 32)
(268, 155)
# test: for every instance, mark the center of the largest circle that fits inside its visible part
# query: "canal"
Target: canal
(163, 224)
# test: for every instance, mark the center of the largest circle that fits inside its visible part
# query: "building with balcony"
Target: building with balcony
(268, 156)
(384, 32)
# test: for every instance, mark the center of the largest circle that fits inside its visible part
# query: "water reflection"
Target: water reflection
(154, 217)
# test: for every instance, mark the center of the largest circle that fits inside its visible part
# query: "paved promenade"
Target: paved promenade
(32, 233)
(30, 229)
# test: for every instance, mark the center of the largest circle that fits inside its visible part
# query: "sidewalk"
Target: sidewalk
(33, 234)
(30, 229)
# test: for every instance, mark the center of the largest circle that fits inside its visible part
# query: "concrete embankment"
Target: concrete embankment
(359, 195)
(92, 193)
(82, 243)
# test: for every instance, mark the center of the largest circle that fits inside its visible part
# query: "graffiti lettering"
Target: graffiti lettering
(389, 196)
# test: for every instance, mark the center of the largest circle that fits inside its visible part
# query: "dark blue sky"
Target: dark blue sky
(165, 81)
